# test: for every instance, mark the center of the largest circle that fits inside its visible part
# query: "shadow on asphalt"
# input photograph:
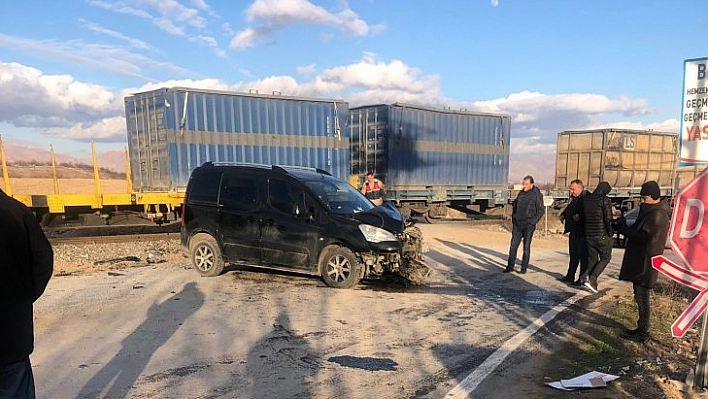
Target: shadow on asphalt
(115, 379)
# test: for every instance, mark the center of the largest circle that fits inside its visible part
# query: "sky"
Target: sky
(552, 65)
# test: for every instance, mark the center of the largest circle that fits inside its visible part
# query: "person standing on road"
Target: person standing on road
(577, 247)
(597, 217)
(645, 238)
(527, 210)
(373, 189)
(26, 265)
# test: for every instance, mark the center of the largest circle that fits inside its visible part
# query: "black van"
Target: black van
(295, 219)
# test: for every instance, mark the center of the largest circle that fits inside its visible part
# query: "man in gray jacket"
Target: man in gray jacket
(26, 264)
(527, 210)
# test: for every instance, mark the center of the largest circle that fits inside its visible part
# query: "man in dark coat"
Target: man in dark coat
(646, 238)
(577, 247)
(26, 264)
(527, 210)
(597, 217)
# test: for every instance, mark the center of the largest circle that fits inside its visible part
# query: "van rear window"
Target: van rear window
(204, 188)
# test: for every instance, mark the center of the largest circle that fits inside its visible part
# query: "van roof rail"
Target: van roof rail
(228, 163)
(284, 168)
(280, 168)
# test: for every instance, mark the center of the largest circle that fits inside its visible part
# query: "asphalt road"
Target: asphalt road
(162, 331)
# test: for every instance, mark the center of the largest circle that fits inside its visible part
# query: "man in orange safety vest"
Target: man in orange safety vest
(373, 189)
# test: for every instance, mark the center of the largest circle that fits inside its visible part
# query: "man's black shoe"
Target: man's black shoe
(566, 279)
(577, 283)
(508, 270)
(635, 335)
(630, 333)
(523, 270)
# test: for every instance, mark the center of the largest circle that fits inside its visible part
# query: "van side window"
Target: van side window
(283, 195)
(205, 188)
(238, 192)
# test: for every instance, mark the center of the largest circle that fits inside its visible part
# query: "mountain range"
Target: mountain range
(539, 165)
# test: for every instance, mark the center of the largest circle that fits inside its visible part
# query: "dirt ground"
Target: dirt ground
(584, 338)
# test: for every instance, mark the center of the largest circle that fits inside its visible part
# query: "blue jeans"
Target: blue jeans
(520, 232)
(16, 380)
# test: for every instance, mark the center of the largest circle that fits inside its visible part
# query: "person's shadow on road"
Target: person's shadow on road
(163, 319)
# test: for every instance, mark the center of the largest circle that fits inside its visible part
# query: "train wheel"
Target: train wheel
(431, 217)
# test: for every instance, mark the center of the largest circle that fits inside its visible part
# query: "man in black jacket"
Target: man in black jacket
(26, 264)
(577, 247)
(646, 238)
(527, 210)
(597, 218)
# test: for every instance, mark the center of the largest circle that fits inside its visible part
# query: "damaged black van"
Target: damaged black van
(295, 219)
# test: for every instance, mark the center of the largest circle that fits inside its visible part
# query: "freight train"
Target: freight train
(430, 159)
(625, 158)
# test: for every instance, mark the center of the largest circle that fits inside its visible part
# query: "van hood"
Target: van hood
(385, 216)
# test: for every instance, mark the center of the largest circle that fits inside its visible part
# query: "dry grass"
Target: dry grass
(37, 180)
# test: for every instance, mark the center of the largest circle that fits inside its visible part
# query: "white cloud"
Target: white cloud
(106, 58)
(61, 105)
(544, 115)
(274, 15)
(165, 14)
(136, 43)
(307, 69)
(109, 129)
(170, 16)
(247, 37)
(51, 101)
(495, 3)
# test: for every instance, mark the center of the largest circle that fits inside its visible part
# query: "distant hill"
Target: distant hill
(541, 166)
(32, 160)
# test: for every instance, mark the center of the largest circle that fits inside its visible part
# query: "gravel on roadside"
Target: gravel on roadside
(81, 259)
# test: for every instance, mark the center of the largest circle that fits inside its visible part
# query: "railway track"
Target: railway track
(80, 235)
(120, 238)
(143, 232)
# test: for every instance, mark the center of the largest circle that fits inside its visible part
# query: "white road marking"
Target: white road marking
(466, 386)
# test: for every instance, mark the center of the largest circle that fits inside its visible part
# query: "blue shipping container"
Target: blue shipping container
(171, 131)
(413, 147)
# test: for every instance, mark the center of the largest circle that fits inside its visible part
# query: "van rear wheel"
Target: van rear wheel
(206, 255)
(339, 267)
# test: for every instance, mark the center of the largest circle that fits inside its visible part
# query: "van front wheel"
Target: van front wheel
(340, 268)
(206, 255)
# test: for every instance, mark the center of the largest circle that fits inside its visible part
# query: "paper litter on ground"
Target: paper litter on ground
(593, 379)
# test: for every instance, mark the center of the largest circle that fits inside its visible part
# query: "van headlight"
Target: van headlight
(376, 234)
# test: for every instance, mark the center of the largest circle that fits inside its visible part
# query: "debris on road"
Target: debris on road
(593, 379)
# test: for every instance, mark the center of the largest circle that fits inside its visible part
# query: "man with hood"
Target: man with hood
(577, 247)
(597, 218)
(527, 210)
(646, 238)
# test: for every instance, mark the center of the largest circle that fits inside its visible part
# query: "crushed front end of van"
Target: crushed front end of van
(407, 262)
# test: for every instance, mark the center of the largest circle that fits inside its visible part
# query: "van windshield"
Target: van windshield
(340, 197)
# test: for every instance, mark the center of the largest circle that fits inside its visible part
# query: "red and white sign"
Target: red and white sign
(688, 235)
(687, 277)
